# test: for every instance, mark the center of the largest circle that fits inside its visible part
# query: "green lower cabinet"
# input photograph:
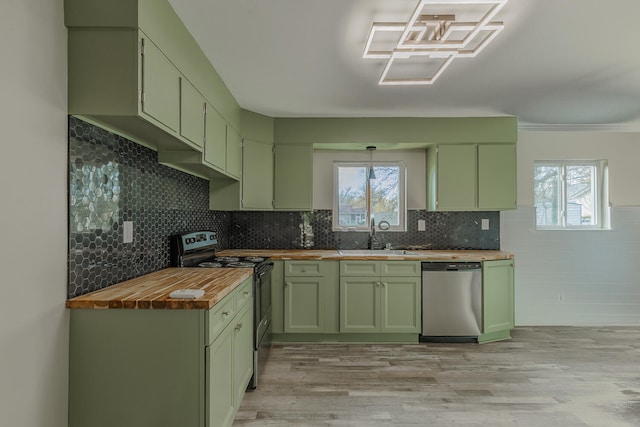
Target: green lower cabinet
(243, 357)
(380, 305)
(229, 362)
(160, 368)
(310, 297)
(359, 304)
(304, 303)
(220, 380)
(400, 304)
(498, 300)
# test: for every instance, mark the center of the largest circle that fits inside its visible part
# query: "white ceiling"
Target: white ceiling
(571, 64)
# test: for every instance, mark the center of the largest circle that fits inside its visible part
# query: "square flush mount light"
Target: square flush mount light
(438, 31)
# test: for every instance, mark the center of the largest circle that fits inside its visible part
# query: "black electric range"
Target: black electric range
(198, 249)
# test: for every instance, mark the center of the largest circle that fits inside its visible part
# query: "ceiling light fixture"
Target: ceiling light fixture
(437, 32)
(372, 174)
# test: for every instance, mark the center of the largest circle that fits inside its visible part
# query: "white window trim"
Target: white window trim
(402, 182)
(601, 195)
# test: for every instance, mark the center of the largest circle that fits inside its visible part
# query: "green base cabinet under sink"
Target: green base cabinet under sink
(380, 296)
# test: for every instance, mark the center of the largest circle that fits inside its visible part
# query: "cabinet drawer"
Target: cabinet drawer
(359, 268)
(304, 268)
(243, 294)
(400, 268)
(220, 316)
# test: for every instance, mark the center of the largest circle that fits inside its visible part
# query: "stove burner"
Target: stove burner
(210, 264)
(240, 264)
(227, 259)
(254, 259)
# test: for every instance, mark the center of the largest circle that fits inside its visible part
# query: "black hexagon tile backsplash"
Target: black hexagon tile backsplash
(112, 180)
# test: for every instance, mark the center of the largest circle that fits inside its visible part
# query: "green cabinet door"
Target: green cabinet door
(293, 177)
(498, 293)
(242, 352)
(360, 304)
(400, 304)
(496, 177)
(215, 146)
(220, 380)
(456, 177)
(257, 175)
(160, 87)
(191, 113)
(234, 153)
(304, 304)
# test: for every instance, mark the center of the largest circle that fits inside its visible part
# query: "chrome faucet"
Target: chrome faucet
(373, 241)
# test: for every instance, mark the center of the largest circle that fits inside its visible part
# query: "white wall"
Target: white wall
(33, 173)
(415, 161)
(577, 277)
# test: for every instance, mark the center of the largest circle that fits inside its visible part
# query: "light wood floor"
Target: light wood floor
(545, 376)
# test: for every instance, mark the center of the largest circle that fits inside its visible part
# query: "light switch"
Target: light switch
(422, 225)
(485, 223)
(127, 231)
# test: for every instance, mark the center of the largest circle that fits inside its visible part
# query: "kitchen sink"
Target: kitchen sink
(385, 252)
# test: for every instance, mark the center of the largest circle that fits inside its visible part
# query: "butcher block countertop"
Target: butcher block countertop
(152, 290)
(333, 254)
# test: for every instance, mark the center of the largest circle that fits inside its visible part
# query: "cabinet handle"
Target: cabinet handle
(245, 293)
(378, 284)
(286, 284)
(239, 326)
(225, 313)
(384, 283)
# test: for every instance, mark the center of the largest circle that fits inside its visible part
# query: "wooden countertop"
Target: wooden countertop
(151, 291)
(333, 254)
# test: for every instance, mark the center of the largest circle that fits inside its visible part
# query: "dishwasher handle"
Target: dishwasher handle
(451, 266)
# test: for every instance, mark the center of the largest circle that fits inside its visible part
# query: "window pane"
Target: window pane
(385, 194)
(580, 195)
(352, 184)
(547, 193)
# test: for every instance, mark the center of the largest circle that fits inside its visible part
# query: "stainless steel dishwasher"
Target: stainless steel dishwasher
(451, 301)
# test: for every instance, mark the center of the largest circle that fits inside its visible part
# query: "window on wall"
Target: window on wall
(357, 198)
(571, 194)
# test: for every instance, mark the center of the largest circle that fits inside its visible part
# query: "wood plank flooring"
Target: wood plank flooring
(544, 376)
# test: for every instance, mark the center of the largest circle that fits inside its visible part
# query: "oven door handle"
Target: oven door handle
(265, 271)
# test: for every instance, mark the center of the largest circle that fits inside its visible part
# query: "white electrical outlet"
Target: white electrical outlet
(485, 223)
(127, 231)
(422, 225)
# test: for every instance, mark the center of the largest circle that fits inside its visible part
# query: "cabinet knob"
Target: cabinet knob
(245, 293)
(239, 326)
(286, 284)
(384, 283)
(225, 313)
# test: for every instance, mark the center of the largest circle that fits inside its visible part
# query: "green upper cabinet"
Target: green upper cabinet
(471, 177)
(456, 177)
(192, 113)
(293, 177)
(496, 177)
(215, 147)
(257, 175)
(136, 70)
(234, 153)
(160, 86)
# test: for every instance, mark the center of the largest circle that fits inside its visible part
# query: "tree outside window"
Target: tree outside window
(570, 194)
(357, 198)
